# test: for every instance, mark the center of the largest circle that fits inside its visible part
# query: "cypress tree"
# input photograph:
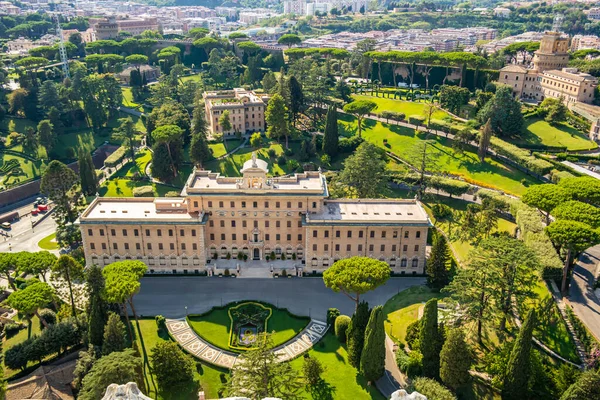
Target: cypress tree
(87, 173)
(114, 335)
(517, 372)
(437, 270)
(430, 340)
(485, 136)
(330, 136)
(296, 101)
(199, 125)
(356, 333)
(372, 361)
(97, 305)
(455, 360)
(199, 150)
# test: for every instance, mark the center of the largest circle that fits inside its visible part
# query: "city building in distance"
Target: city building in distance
(254, 217)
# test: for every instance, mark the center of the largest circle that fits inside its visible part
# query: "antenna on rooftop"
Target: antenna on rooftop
(557, 23)
(61, 48)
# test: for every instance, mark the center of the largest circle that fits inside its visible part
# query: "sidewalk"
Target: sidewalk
(581, 297)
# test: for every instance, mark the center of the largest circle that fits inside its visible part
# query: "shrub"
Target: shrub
(12, 329)
(410, 364)
(161, 322)
(312, 370)
(432, 389)
(341, 327)
(245, 257)
(116, 157)
(348, 145)
(584, 336)
(413, 332)
(520, 156)
(451, 186)
(240, 255)
(281, 160)
(226, 272)
(49, 316)
(292, 165)
(172, 193)
(416, 119)
(332, 314)
(143, 191)
(283, 272)
(228, 256)
(272, 153)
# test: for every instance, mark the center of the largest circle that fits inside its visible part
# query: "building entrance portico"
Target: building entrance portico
(256, 254)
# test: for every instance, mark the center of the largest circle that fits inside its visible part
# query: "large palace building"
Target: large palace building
(218, 219)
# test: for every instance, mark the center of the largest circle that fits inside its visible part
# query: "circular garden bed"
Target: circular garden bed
(237, 326)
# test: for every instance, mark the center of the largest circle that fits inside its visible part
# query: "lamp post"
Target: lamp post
(186, 312)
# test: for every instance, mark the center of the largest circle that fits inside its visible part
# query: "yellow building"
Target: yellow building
(225, 221)
(246, 111)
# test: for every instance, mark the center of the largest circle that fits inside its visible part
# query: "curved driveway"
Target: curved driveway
(581, 295)
(169, 296)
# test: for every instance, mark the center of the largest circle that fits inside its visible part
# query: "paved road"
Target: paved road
(169, 296)
(24, 238)
(581, 295)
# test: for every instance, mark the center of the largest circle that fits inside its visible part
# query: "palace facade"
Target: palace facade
(246, 111)
(254, 217)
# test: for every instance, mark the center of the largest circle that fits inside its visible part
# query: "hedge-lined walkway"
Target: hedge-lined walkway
(198, 347)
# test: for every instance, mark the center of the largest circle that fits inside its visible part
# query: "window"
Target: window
(337, 234)
(289, 237)
(299, 204)
(181, 233)
(360, 247)
(160, 246)
(394, 247)
(314, 247)
(403, 263)
(255, 204)
(370, 247)
(383, 234)
(194, 246)
(244, 237)
(314, 205)
(267, 237)
(92, 246)
(395, 234)
(222, 224)
(289, 204)
(232, 204)
(300, 224)
(149, 246)
(383, 247)
(90, 232)
(126, 245)
(212, 236)
(171, 232)
(112, 232)
(289, 224)
(193, 232)
(115, 246)
(255, 224)
(243, 204)
(337, 247)
(220, 204)
(299, 237)
(211, 223)
(372, 234)
(326, 247)
(137, 246)
(405, 247)
(183, 246)
(195, 204)
(244, 224)
(418, 234)
(315, 234)
(103, 246)
(222, 236)
(348, 247)
(326, 234)
(210, 204)
(266, 204)
(349, 234)
(405, 234)
(360, 234)
(277, 204)
(101, 232)
(136, 232)
(277, 224)
(233, 237)
(415, 263)
(278, 237)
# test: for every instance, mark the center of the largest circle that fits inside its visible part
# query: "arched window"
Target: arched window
(403, 263)
(415, 262)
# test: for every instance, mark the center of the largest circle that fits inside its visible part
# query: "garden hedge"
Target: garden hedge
(116, 157)
(143, 191)
(520, 156)
(416, 119)
(341, 327)
(588, 341)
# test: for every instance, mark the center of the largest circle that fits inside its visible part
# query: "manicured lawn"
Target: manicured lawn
(128, 99)
(341, 380)
(21, 336)
(16, 125)
(209, 377)
(215, 326)
(230, 166)
(402, 141)
(121, 187)
(141, 161)
(49, 242)
(30, 169)
(197, 78)
(403, 309)
(539, 132)
(406, 107)
(220, 149)
(551, 328)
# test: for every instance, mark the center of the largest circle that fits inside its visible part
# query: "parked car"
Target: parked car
(6, 225)
(43, 207)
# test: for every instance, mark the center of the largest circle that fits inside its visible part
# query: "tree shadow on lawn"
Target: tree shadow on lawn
(401, 130)
(147, 377)
(321, 391)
